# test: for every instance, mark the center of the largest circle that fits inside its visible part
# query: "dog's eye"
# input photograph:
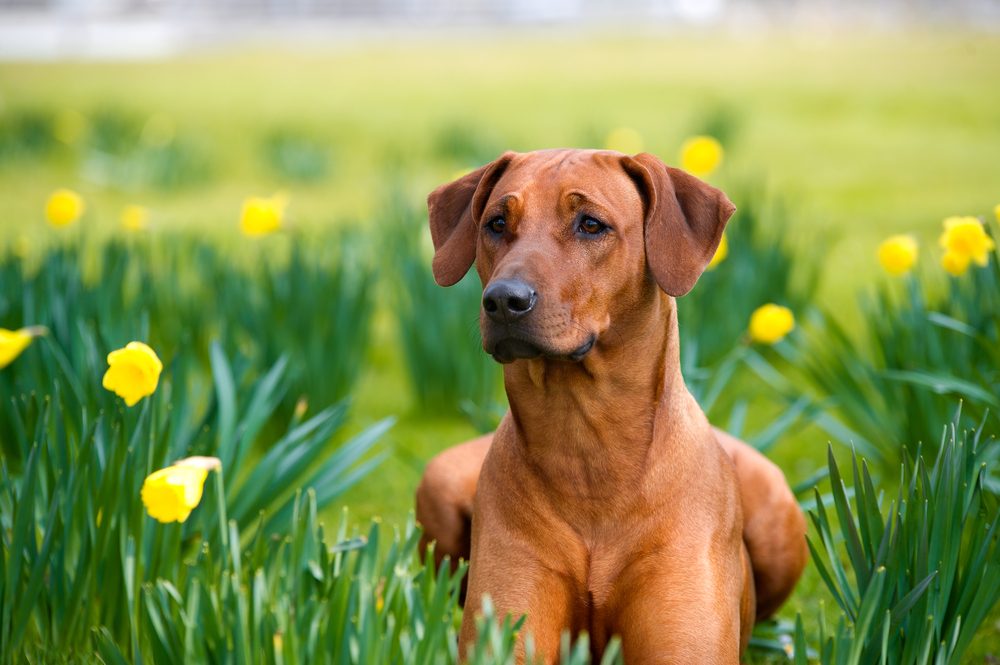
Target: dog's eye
(496, 225)
(591, 227)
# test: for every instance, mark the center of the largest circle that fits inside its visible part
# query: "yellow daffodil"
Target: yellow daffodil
(700, 155)
(624, 139)
(262, 215)
(13, 342)
(135, 218)
(955, 264)
(965, 240)
(133, 372)
(171, 494)
(64, 207)
(720, 254)
(898, 254)
(770, 323)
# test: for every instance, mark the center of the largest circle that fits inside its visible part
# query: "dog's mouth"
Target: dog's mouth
(583, 349)
(509, 349)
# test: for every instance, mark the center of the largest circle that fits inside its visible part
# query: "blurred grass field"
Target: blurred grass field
(866, 133)
(862, 135)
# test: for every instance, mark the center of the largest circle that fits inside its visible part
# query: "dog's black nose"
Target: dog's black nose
(507, 300)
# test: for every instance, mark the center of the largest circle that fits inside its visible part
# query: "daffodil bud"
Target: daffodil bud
(770, 323)
(898, 254)
(64, 207)
(701, 155)
(13, 342)
(135, 218)
(263, 215)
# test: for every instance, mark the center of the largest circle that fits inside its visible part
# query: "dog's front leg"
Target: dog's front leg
(519, 582)
(682, 609)
(525, 589)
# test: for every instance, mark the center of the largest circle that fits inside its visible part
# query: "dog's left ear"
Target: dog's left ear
(453, 210)
(685, 218)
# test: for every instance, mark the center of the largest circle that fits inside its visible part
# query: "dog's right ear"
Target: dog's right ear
(454, 211)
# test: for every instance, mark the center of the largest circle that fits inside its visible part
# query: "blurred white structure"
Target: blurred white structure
(49, 29)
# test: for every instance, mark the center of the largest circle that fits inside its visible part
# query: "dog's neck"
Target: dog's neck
(588, 426)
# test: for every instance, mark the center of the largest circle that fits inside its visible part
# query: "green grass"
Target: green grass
(924, 566)
(869, 133)
(864, 135)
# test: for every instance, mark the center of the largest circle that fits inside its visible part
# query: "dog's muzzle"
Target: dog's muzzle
(508, 300)
(511, 348)
(509, 333)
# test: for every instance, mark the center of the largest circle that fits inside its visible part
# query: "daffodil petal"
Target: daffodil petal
(898, 254)
(770, 323)
(701, 155)
(170, 494)
(12, 344)
(64, 207)
(133, 372)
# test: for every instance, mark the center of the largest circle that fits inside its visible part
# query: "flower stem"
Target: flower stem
(220, 492)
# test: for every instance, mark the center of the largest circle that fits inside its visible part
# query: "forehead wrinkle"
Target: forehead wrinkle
(574, 196)
(566, 157)
(552, 166)
(602, 191)
(509, 204)
(550, 178)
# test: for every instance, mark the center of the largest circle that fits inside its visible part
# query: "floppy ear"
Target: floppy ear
(454, 211)
(685, 218)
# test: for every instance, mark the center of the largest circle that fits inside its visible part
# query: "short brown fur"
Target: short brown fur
(604, 501)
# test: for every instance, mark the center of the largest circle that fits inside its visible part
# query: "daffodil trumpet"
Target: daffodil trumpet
(14, 342)
(898, 254)
(701, 155)
(964, 241)
(64, 207)
(171, 493)
(770, 323)
(133, 372)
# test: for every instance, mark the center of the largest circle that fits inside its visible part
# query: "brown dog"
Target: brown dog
(605, 501)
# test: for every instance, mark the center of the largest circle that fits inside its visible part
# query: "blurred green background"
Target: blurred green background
(866, 134)
(861, 134)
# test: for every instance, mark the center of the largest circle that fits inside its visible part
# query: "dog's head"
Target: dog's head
(569, 242)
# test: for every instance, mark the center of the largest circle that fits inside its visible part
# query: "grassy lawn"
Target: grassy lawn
(863, 135)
